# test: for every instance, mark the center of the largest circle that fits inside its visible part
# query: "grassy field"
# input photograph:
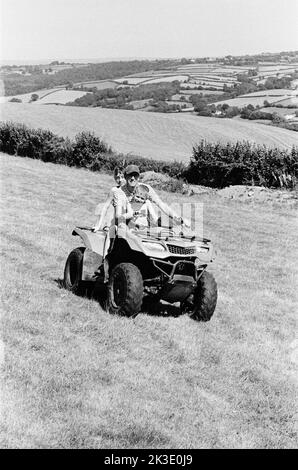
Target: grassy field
(132, 80)
(100, 85)
(171, 78)
(49, 96)
(198, 92)
(290, 101)
(254, 100)
(160, 136)
(154, 78)
(61, 97)
(74, 376)
(275, 92)
(26, 97)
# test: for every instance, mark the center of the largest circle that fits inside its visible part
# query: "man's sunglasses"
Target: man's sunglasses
(134, 175)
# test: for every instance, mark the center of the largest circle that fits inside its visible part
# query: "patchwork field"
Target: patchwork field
(213, 75)
(216, 75)
(179, 103)
(150, 79)
(275, 92)
(132, 80)
(26, 97)
(179, 78)
(50, 96)
(61, 97)
(191, 76)
(74, 376)
(282, 97)
(266, 71)
(241, 102)
(160, 136)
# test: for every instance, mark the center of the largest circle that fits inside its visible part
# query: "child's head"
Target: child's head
(119, 177)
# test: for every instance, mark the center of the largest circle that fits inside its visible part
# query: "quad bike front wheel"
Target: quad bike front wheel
(201, 304)
(73, 270)
(125, 290)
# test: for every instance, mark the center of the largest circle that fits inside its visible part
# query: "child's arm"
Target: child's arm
(123, 210)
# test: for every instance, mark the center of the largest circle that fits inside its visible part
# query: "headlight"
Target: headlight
(202, 249)
(153, 246)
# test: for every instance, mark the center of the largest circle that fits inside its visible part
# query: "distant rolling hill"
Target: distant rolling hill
(160, 136)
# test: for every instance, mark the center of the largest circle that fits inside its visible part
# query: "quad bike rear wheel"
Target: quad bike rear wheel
(201, 304)
(73, 270)
(125, 290)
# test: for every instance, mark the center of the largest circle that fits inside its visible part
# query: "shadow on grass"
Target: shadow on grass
(150, 306)
(89, 290)
(160, 309)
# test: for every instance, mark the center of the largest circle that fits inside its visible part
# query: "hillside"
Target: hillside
(164, 136)
(47, 96)
(74, 376)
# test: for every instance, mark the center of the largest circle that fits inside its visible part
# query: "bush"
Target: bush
(220, 165)
(164, 182)
(86, 147)
(18, 139)
(15, 100)
(58, 150)
(232, 111)
(34, 97)
(205, 112)
(252, 115)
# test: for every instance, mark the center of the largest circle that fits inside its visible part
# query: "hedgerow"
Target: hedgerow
(219, 165)
(215, 165)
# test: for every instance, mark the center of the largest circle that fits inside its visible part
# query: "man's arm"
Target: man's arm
(153, 196)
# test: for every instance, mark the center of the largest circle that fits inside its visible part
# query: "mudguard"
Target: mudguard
(93, 255)
(93, 240)
(91, 263)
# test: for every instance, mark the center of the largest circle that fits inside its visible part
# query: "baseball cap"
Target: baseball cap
(130, 169)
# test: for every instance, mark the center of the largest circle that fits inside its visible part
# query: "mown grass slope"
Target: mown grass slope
(73, 376)
(160, 136)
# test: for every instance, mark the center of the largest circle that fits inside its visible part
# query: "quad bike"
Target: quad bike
(156, 263)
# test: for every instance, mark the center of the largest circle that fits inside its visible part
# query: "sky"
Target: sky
(94, 29)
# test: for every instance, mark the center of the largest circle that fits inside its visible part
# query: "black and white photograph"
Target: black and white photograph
(149, 220)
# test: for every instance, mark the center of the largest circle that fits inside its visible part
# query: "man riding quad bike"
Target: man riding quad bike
(135, 260)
